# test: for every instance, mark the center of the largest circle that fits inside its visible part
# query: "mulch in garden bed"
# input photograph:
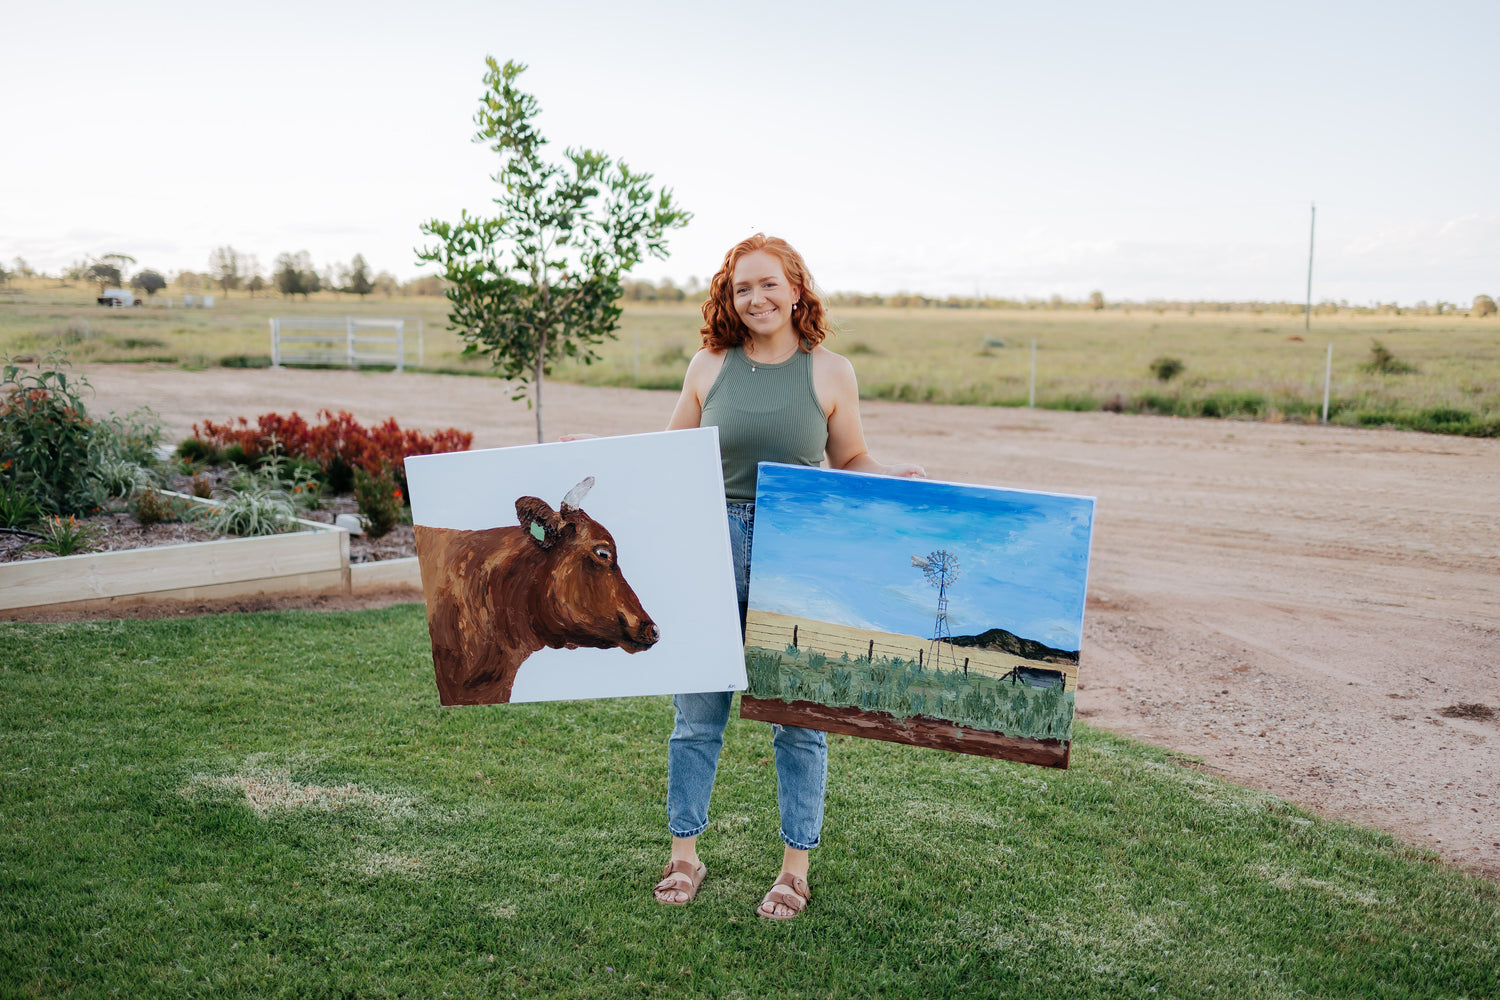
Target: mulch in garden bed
(114, 530)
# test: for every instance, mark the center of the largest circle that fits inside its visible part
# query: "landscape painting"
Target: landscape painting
(936, 614)
(561, 571)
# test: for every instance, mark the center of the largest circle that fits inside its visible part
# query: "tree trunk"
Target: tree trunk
(541, 353)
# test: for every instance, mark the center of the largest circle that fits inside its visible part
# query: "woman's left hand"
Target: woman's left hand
(906, 470)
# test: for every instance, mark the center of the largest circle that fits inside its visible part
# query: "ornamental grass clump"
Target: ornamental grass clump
(254, 510)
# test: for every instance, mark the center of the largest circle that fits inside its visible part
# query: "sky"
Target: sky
(1154, 150)
(838, 547)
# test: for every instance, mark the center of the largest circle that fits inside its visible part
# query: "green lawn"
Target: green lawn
(400, 849)
(1236, 364)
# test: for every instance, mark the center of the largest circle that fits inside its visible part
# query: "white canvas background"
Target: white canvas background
(662, 497)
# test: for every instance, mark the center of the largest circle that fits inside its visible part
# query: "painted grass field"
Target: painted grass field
(1236, 364)
(274, 805)
(902, 689)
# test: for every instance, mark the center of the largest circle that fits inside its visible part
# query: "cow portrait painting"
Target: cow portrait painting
(608, 593)
(494, 597)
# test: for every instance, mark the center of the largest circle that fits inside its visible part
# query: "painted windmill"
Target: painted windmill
(941, 570)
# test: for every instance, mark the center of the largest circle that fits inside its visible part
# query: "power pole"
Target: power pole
(1311, 232)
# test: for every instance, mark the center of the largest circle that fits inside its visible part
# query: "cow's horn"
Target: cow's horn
(575, 496)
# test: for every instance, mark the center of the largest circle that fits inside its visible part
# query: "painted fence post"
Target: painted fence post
(794, 637)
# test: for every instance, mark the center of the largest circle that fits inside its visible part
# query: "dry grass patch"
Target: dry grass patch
(266, 792)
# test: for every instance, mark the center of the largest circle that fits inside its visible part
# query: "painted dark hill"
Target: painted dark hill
(1001, 641)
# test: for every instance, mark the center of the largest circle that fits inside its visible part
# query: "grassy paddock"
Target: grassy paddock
(273, 805)
(1240, 365)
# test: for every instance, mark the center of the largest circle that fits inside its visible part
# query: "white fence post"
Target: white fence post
(1031, 397)
(275, 343)
(349, 338)
(1327, 378)
(400, 345)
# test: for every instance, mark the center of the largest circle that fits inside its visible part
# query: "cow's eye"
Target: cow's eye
(603, 552)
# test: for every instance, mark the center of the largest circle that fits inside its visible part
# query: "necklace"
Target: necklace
(755, 364)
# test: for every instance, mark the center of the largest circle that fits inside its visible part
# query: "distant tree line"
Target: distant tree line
(295, 274)
(230, 270)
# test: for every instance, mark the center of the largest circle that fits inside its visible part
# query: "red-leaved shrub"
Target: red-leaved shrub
(339, 443)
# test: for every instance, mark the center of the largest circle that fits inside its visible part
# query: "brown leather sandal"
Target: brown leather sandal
(790, 891)
(680, 876)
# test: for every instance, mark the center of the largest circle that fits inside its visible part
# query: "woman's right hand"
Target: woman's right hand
(577, 437)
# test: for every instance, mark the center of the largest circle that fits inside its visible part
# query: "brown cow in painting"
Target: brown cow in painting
(496, 596)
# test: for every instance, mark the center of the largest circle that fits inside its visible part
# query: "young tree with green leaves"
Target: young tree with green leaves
(541, 280)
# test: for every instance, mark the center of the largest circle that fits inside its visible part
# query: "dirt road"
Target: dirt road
(1295, 605)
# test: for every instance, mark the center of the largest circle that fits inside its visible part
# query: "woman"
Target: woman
(776, 395)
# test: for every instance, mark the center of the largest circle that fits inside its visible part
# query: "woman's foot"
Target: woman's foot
(786, 898)
(680, 882)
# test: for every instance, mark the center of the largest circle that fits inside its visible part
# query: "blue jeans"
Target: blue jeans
(697, 737)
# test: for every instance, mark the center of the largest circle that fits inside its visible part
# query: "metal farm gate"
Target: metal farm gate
(341, 340)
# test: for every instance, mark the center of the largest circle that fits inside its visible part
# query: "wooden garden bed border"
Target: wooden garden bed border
(314, 560)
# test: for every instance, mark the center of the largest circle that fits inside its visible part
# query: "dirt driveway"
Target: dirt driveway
(1295, 605)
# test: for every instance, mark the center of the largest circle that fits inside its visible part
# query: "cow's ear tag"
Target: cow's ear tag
(537, 532)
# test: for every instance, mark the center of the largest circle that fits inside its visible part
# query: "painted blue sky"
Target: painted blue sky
(837, 547)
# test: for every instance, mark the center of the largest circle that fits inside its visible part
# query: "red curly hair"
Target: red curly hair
(722, 327)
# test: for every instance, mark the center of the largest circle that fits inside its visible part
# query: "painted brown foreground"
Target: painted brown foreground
(917, 731)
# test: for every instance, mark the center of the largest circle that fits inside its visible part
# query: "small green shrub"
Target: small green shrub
(154, 507)
(1166, 369)
(202, 486)
(379, 500)
(45, 434)
(1383, 362)
(199, 452)
(65, 536)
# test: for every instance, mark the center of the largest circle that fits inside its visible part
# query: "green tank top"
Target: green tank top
(764, 413)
